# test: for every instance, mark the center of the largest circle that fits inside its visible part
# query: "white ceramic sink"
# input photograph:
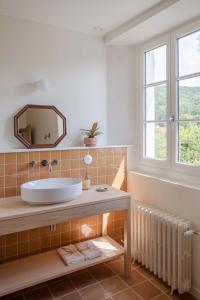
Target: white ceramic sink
(51, 190)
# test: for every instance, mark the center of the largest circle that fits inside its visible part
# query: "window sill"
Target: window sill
(180, 178)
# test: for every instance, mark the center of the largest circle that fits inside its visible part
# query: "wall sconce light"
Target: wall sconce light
(43, 85)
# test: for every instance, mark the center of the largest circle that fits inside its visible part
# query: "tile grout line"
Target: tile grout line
(156, 297)
(99, 281)
(147, 280)
(50, 292)
(117, 275)
(75, 288)
(150, 280)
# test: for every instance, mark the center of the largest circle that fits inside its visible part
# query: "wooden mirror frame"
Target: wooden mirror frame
(24, 141)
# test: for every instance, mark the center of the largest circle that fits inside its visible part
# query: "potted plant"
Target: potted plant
(91, 135)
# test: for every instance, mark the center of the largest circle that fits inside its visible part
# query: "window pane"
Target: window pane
(189, 142)
(156, 140)
(189, 54)
(156, 65)
(189, 99)
(156, 103)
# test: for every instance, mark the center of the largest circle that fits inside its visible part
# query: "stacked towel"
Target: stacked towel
(89, 250)
(70, 255)
(75, 254)
(85, 245)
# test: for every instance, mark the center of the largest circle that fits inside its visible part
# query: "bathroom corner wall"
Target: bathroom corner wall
(109, 166)
(121, 90)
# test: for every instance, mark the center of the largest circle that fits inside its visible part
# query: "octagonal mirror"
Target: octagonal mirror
(39, 126)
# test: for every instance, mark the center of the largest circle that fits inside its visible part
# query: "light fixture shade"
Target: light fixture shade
(43, 85)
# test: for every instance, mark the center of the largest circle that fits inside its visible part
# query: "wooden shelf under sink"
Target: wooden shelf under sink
(25, 272)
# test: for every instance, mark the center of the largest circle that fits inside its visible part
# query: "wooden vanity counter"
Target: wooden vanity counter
(16, 215)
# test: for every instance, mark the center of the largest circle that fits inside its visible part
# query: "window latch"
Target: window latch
(172, 119)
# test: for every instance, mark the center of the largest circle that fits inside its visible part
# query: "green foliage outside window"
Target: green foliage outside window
(189, 132)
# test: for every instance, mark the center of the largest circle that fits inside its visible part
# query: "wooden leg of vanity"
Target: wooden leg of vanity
(127, 243)
(105, 223)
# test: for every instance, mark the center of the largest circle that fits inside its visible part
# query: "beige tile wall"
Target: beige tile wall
(108, 166)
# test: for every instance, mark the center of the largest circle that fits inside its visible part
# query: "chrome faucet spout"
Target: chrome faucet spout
(50, 167)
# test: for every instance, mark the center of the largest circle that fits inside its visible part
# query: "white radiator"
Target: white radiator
(162, 243)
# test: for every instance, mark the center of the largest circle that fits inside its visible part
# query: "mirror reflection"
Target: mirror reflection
(40, 126)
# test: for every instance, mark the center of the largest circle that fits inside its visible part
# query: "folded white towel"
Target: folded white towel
(91, 253)
(85, 245)
(88, 249)
(70, 255)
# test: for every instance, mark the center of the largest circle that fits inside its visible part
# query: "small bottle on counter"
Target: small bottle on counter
(86, 182)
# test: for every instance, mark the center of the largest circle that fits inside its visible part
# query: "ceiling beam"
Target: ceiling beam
(141, 18)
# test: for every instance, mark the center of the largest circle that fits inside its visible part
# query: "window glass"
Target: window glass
(189, 54)
(189, 99)
(156, 65)
(156, 103)
(189, 142)
(156, 140)
(155, 125)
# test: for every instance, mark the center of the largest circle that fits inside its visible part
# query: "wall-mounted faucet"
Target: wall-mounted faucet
(32, 164)
(50, 165)
(44, 162)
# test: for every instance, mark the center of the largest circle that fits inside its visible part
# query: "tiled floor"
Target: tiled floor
(103, 281)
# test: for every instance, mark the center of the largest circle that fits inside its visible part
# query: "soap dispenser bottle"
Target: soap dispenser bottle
(86, 182)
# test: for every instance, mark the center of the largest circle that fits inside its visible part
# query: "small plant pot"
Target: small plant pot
(90, 142)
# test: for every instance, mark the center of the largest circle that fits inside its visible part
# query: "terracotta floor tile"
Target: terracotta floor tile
(145, 272)
(102, 272)
(93, 292)
(61, 288)
(162, 297)
(82, 279)
(113, 285)
(160, 284)
(72, 296)
(126, 295)
(146, 290)
(135, 264)
(136, 277)
(117, 266)
(39, 294)
(185, 296)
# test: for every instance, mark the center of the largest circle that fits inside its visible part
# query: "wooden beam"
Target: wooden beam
(139, 19)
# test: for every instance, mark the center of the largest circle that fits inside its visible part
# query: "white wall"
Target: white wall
(175, 198)
(75, 65)
(120, 94)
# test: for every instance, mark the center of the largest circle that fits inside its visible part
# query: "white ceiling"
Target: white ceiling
(79, 15)
(111, 15)
(171, 17)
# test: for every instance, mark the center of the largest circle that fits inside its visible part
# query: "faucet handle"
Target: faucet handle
(32, 163)
(54, 162)
(44, 163)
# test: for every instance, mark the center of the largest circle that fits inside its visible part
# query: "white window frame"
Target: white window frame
(145, 48)
(171, 164)
(181, 32)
